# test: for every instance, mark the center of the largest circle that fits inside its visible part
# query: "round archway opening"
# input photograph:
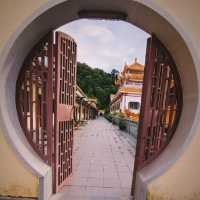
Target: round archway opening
(144, 15)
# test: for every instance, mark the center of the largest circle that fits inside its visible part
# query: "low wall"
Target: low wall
(131, 127)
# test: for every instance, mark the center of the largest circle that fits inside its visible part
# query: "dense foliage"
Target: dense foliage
(96, 83)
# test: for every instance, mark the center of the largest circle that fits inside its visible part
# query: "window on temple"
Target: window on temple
(134, 105)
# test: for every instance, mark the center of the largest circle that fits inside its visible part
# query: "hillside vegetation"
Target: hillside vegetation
(96, 83)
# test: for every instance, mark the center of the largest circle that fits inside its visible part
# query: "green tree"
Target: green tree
(114, 74)
(96, 83)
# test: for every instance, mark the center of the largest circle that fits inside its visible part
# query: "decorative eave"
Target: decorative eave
(135, 66)
(83, 97)
(79, 92)
(125, 90)
(134, 76)
(131, 90)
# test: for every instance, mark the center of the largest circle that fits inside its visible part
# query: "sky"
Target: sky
(107, 44)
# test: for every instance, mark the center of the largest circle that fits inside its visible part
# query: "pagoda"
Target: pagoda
(128, 98)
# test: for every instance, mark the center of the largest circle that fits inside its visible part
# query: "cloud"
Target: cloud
(102, 34)
(107, 44)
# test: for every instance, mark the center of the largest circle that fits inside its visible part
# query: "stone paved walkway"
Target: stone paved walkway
(103, 164)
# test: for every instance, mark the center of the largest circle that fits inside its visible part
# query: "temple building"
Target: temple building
(128, 98)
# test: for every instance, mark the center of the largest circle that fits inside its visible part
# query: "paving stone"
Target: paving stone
(103, 163)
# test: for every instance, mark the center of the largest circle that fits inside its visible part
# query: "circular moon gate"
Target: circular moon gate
(151, 17)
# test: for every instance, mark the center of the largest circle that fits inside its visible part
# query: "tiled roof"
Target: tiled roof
(134, 76)
(125, 90)
(79, 92)
(135, 66)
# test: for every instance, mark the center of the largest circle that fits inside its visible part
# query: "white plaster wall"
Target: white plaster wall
(130, 98)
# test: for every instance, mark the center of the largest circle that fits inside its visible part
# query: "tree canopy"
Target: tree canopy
(96, 83)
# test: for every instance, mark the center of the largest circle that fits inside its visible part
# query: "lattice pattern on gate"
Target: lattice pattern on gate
(64, 103)
(34, 97)
(161, 105)
(45, 101)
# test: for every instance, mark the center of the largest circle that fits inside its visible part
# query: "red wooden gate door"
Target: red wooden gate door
(65, 84)
(161, 105)
(45, 100)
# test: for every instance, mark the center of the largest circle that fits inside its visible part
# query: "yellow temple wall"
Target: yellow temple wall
(181, 181)
(15, 179)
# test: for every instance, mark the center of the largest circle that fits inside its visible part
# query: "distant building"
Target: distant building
(85, 108)
(128, 98)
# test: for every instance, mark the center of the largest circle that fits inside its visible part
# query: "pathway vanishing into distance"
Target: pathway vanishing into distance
(102, 165)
